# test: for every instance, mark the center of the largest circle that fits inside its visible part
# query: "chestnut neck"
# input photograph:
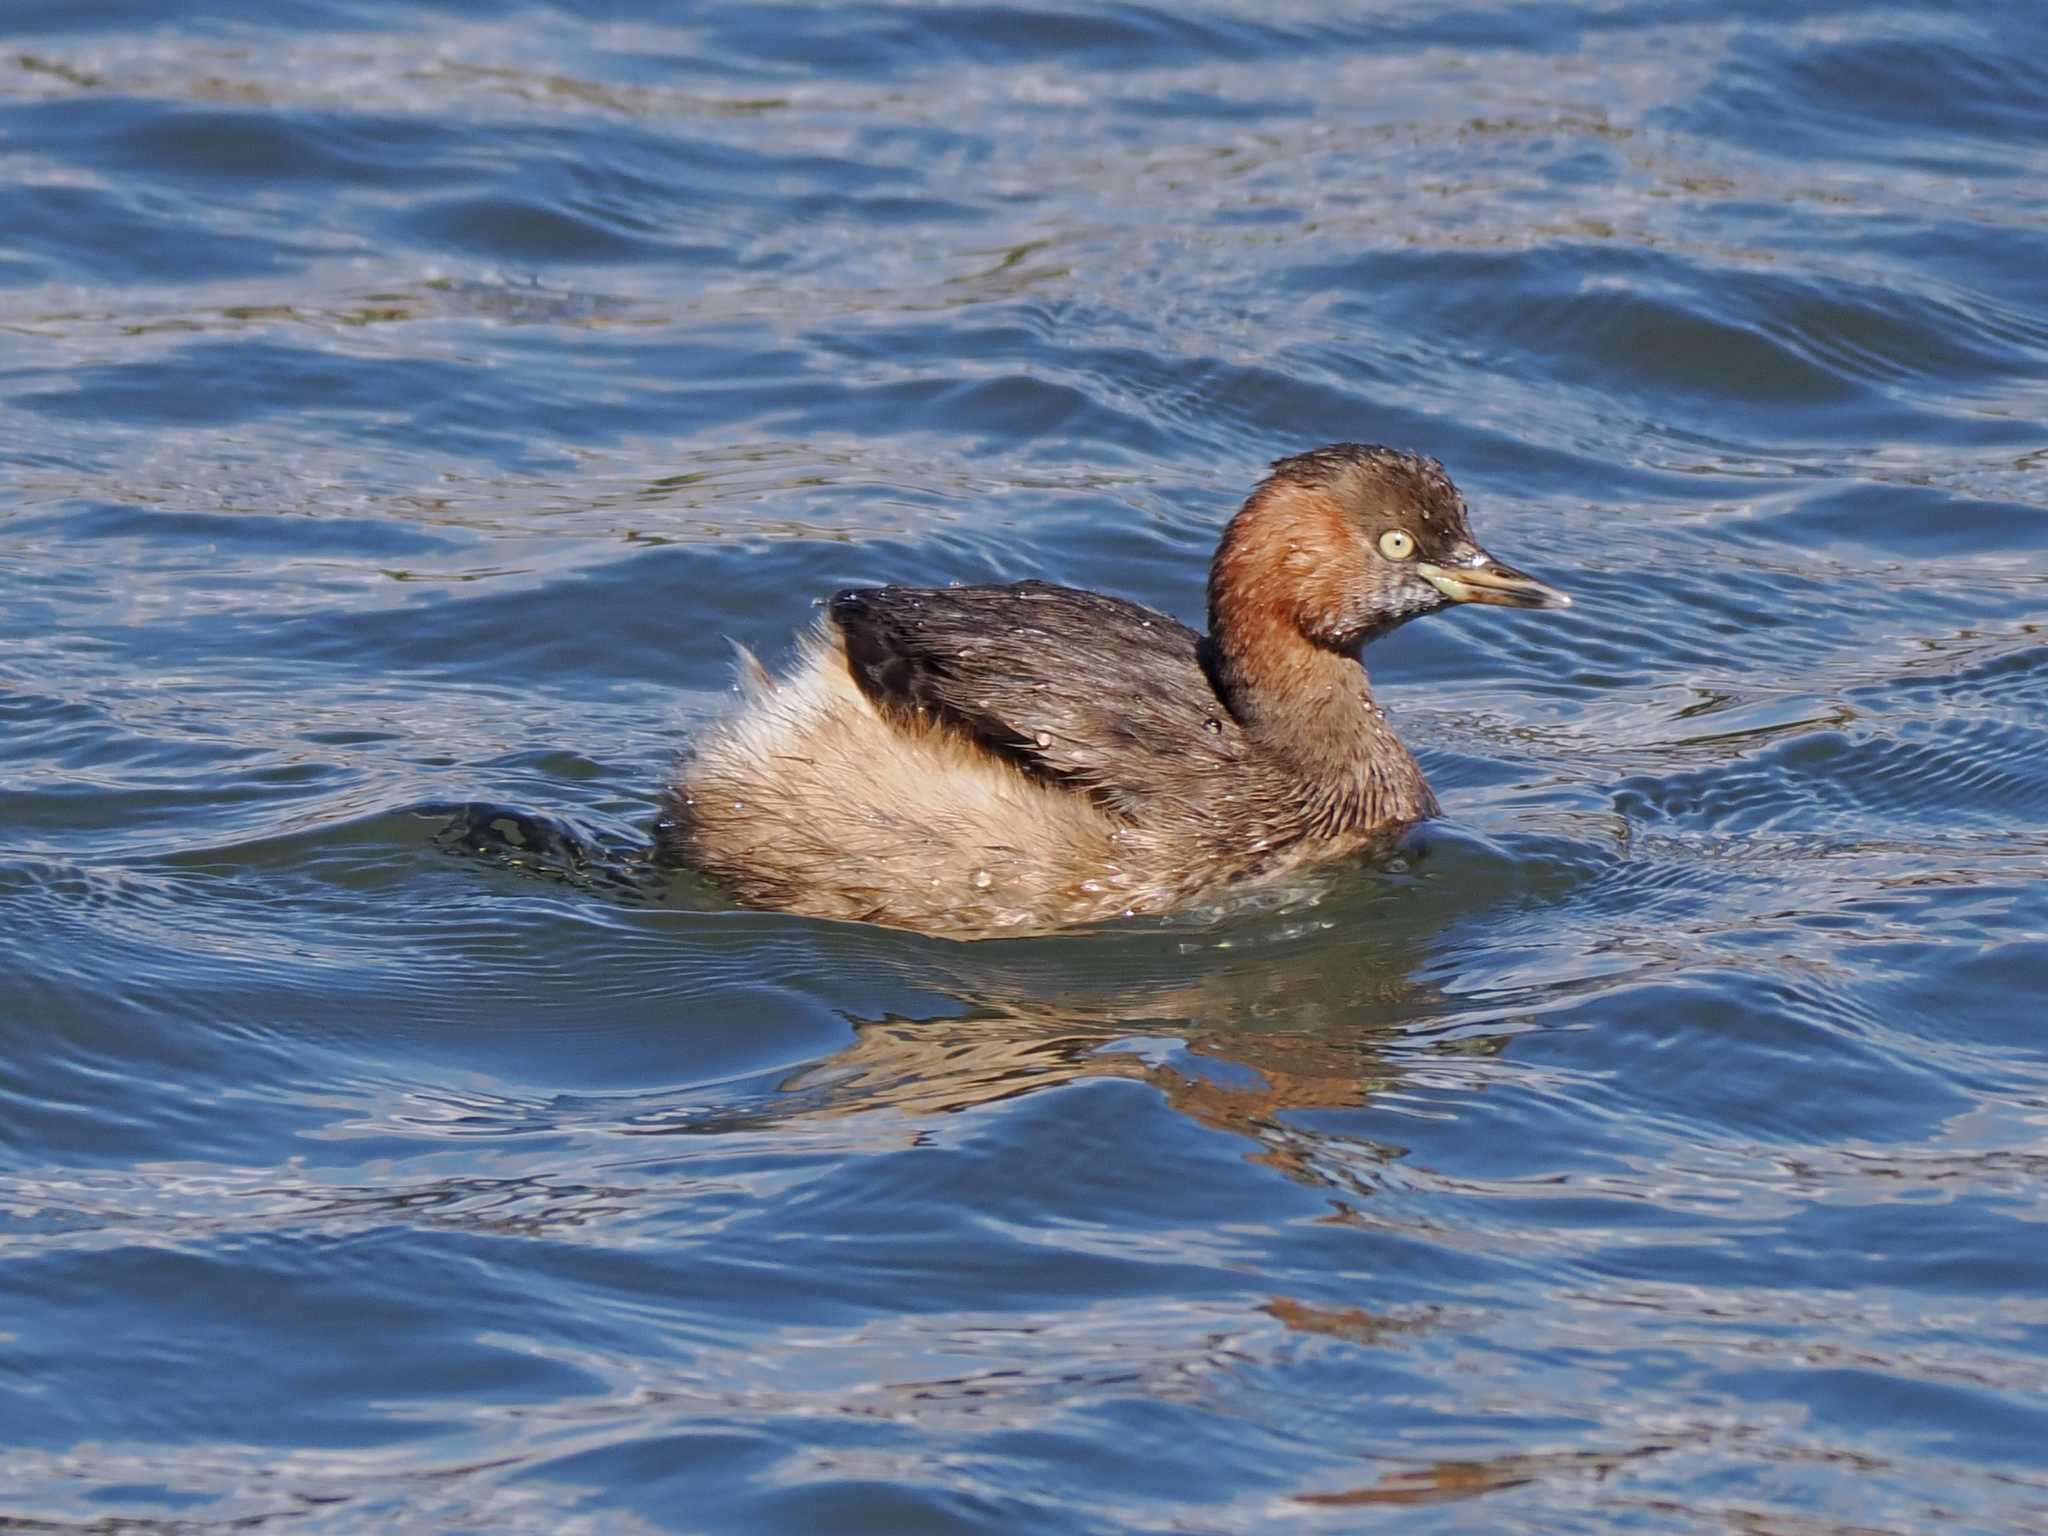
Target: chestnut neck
(1284, 639)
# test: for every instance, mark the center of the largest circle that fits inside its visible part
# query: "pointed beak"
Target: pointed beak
(1486, 580)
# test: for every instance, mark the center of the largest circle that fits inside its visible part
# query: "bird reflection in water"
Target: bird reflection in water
(1299, 1016)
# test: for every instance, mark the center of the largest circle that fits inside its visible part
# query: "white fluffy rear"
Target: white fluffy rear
(809, 798)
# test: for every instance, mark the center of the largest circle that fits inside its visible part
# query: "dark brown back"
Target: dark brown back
(1108, 696)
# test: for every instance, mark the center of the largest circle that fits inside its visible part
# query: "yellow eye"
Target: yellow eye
(1396, 545)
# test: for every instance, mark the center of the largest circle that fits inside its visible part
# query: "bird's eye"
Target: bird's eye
(1396, 544)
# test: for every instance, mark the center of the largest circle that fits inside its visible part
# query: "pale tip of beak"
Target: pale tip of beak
(1493, 583)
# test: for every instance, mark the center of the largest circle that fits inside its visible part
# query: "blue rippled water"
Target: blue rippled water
(402, 404)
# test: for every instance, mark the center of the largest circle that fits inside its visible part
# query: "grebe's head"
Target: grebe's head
(1343, 543)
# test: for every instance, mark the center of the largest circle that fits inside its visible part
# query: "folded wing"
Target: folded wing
(1104, 695)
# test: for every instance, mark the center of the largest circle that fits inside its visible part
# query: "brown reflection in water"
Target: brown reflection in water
(1354, 1325)
(925, 1067)
(1294, 1027)
(1442, 1481)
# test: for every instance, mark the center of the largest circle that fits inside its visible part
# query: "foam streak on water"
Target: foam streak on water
(401, 406)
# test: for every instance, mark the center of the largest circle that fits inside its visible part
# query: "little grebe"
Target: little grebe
(987, 760)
